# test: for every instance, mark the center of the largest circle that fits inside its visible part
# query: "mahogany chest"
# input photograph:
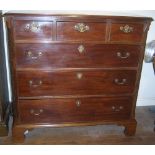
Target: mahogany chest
(71, 69)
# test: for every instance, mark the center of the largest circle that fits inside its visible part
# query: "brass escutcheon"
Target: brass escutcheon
(79, 75)
(81, 48)
(78, 103)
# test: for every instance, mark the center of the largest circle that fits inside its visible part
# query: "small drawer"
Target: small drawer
(80, 82)
(74, 110)
(81, 31)
(33, 30)
(76, 55)
(127, 32)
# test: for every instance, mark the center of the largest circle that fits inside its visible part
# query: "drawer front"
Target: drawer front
(28, 29)
(76, 55)
(94, 82)
(74, 110)
(81, 31)
(129, 32)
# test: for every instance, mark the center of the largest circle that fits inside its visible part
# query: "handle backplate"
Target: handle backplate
(32, 27)
(81, 27)
(126, 29)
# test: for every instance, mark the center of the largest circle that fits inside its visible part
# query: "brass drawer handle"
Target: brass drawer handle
(35, 84)
(120, 82)
(123, 55)
(126, 29)
(117, 109)
(81, 27)
(32, 112)
(32, 56)
(33, 27)
(81, 48)
(78, 103)
(79, 76)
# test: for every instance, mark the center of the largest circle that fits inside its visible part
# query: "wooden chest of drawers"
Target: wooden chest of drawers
(72, 70)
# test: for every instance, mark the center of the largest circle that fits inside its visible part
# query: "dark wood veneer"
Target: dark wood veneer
(136, 35)
(22, 30)
(66, 31)
(67, 110)
(68, 55)
(54, 84)
(91, 82)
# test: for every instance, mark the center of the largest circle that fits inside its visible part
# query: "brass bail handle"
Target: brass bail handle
(35, 84)
(120, 81)
(33, 56)
(36, 113)
(123, 55)
(117, 109)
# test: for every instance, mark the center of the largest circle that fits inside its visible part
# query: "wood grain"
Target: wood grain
(68, 56)
(47, 83)
(22, 32)
(66, 31)
(110, 65)
(92, 135)
(135, 35)
(74, 110)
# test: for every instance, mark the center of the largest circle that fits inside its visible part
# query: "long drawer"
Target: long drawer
(74, 110)
(82, 82)
(76, 55)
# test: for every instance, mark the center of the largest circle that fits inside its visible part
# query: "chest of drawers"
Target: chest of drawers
(70, 70)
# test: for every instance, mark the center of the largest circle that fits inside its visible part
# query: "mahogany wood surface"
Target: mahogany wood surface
(136, 35)
(68, 56)
(91, 135)
(66, 31)
(92, 82)
(57, 61)
(23, 32)
(74, 110)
